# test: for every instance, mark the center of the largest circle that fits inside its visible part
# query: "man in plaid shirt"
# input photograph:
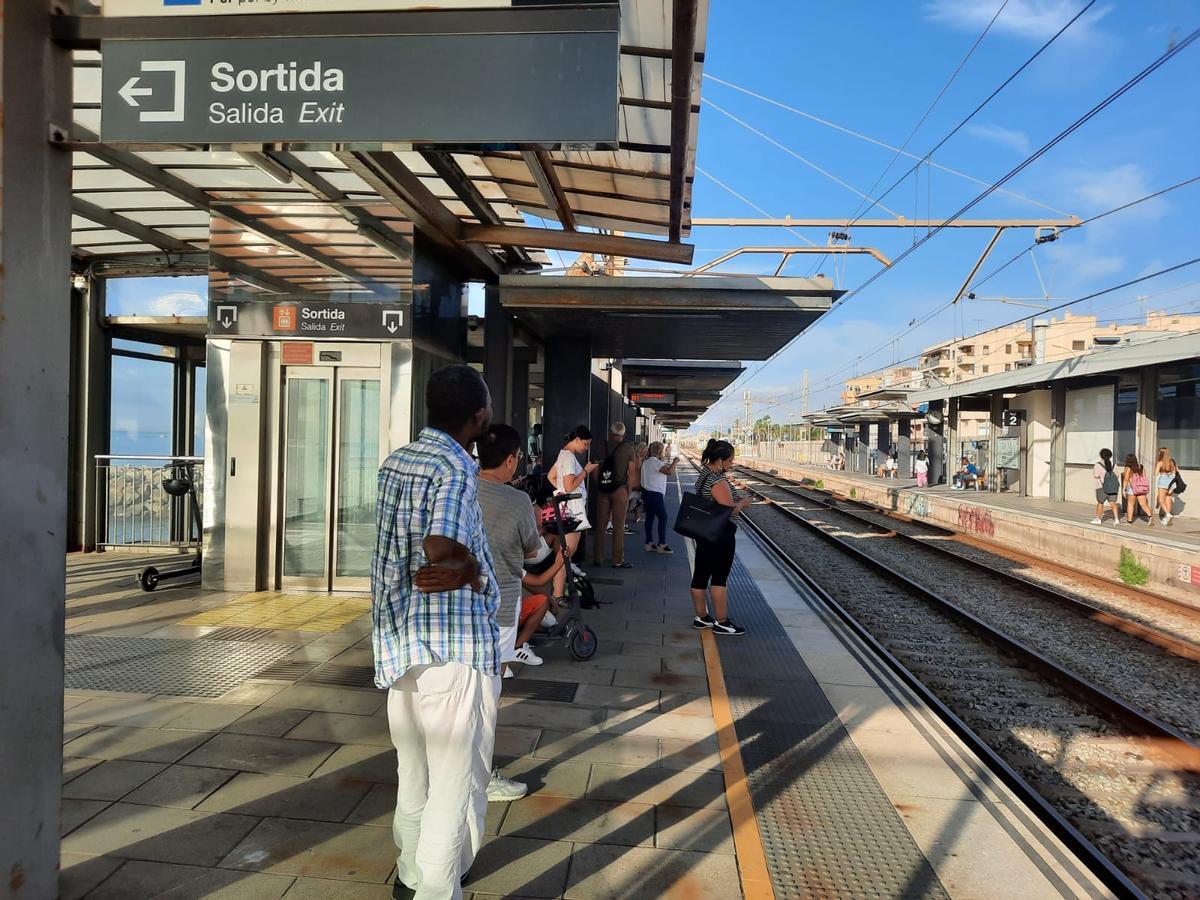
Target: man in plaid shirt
(435, 637)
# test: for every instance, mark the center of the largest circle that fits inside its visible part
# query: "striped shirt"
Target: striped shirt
(429, 487)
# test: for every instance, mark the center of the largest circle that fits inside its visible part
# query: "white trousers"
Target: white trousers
(443, 724)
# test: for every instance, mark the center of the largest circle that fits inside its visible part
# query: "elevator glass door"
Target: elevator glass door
(332, 431)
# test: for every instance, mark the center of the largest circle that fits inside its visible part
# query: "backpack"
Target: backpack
(1112, 486)
(608, 475)
(1140, 484)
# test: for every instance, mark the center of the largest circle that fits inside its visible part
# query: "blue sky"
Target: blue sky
(875, 68)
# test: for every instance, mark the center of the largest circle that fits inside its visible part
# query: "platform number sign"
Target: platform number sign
(1012, 418)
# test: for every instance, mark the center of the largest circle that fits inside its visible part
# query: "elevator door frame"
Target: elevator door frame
(356, 360)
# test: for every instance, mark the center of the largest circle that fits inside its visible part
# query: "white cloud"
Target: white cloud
(178, 303)
(1103, 189)
(1005, 137)
(1030, 19)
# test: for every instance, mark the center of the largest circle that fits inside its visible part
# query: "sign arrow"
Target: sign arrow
(393, 320)
(130, 92)
(227, 315)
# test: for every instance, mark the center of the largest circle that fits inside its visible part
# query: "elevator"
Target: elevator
(297, 435)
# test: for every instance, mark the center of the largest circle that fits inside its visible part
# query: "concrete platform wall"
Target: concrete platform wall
(1080, 546)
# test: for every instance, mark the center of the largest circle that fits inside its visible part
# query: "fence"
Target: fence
(134, 510)
(801, 453)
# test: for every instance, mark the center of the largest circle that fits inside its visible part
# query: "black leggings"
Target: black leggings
(714, 559)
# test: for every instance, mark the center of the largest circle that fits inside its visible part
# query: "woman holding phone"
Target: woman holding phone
(569, 477)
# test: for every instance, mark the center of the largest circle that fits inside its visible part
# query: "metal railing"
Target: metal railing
(134, 510)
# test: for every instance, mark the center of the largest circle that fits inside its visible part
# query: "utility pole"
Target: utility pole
(804, 394)
(749, 414)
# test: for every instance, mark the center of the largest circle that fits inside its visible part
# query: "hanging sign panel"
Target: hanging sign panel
(458, 89)
(308, 319)
(242, 7)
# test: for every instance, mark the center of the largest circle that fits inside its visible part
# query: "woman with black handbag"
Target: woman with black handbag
(714, 557)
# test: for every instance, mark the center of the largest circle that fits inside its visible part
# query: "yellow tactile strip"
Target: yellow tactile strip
(291, 612)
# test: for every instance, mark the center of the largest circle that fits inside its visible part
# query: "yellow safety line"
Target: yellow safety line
(747, 841)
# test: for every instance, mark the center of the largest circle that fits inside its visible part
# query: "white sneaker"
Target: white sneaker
(509, 673)
(1097, 522)
(504, 790)
(548, 620)
(1116, 522)
(1167, 520)
(526, 655)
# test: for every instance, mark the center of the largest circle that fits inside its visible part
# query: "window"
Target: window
(1179, 415)
(1126, 420)
(142, 396)
(985, 369)
(1078, 345)
(987, 349)
(1008, 367)
(1090, 419)
(1008, 349)
(179, 296)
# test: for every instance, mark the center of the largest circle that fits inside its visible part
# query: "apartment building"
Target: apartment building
(901, 377)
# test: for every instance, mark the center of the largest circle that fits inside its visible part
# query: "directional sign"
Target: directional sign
(244, 7)
(1012, 418)
(308, 320)
(457, 89)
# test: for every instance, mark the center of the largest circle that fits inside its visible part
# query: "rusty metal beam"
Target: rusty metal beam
(901, 222)
(788, 251)
(136, 230)
(683, 49)
(397, 184)
(448, 169)
(541, 167)
(581, 241)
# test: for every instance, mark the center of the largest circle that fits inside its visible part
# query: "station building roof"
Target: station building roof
(728, 317)
(679, 374)
(328, 219)
(1134, 355)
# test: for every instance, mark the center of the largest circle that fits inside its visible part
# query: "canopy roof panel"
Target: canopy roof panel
(149, 201)
(731, 318)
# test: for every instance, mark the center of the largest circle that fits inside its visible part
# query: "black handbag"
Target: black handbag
(700, 519)
(1178, 483)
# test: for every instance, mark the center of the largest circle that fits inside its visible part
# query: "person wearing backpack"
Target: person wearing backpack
(1108, 487)
(1135, 488)
(612, 496)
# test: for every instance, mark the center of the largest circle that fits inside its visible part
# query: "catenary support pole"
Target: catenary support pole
(35, 333)
(497, 353)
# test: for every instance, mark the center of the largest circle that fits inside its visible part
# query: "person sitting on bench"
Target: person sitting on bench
(967, 476)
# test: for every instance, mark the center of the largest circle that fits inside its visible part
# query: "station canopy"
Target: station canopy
(337, 221)
(677, 389)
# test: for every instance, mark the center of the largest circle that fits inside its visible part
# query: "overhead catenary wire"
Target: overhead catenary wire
(1020, 167)
(878, 143)
(913, 326)
(988, 99)
(925, 116)
(1092, 296)
(790, 152)
(749, 202)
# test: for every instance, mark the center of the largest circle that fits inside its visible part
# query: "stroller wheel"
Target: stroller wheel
(584, 643)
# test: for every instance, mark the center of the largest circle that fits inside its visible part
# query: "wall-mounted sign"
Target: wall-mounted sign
(307, 320)
(1012, 418)
(243, 7)
(652, 398)
(459, 89)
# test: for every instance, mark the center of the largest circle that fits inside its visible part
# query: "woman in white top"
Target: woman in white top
(569, 477)
(654, 496)
(1108, 487)
(921, 467)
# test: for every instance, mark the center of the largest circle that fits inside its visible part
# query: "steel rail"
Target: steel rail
(1147, 633)
(1164, 737)
(1099, 864)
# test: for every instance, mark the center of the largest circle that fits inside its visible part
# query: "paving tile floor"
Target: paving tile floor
(286, 789)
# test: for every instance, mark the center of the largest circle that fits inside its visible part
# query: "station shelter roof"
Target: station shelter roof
(324, 220)
(728, 317)
(1134, 355)
(679, 374)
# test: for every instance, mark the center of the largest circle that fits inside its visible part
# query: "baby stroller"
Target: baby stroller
(179, 480)
(570, 627)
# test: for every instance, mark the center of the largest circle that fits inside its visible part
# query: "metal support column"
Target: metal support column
(35, 350)
(497, 353)
(1058, 442)
(518, 414)
(568, 393)
(1147, 423)
(90, 403)
(996, 417)
(953, 454)
(863, 457)
(904, 447)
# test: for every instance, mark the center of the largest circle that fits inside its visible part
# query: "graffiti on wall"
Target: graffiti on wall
(972, 518)
(916, 505)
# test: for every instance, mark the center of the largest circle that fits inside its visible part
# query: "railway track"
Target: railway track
(1120, 786)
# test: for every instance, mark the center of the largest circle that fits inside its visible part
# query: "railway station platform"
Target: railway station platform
(1060, 532)
(232, 745)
